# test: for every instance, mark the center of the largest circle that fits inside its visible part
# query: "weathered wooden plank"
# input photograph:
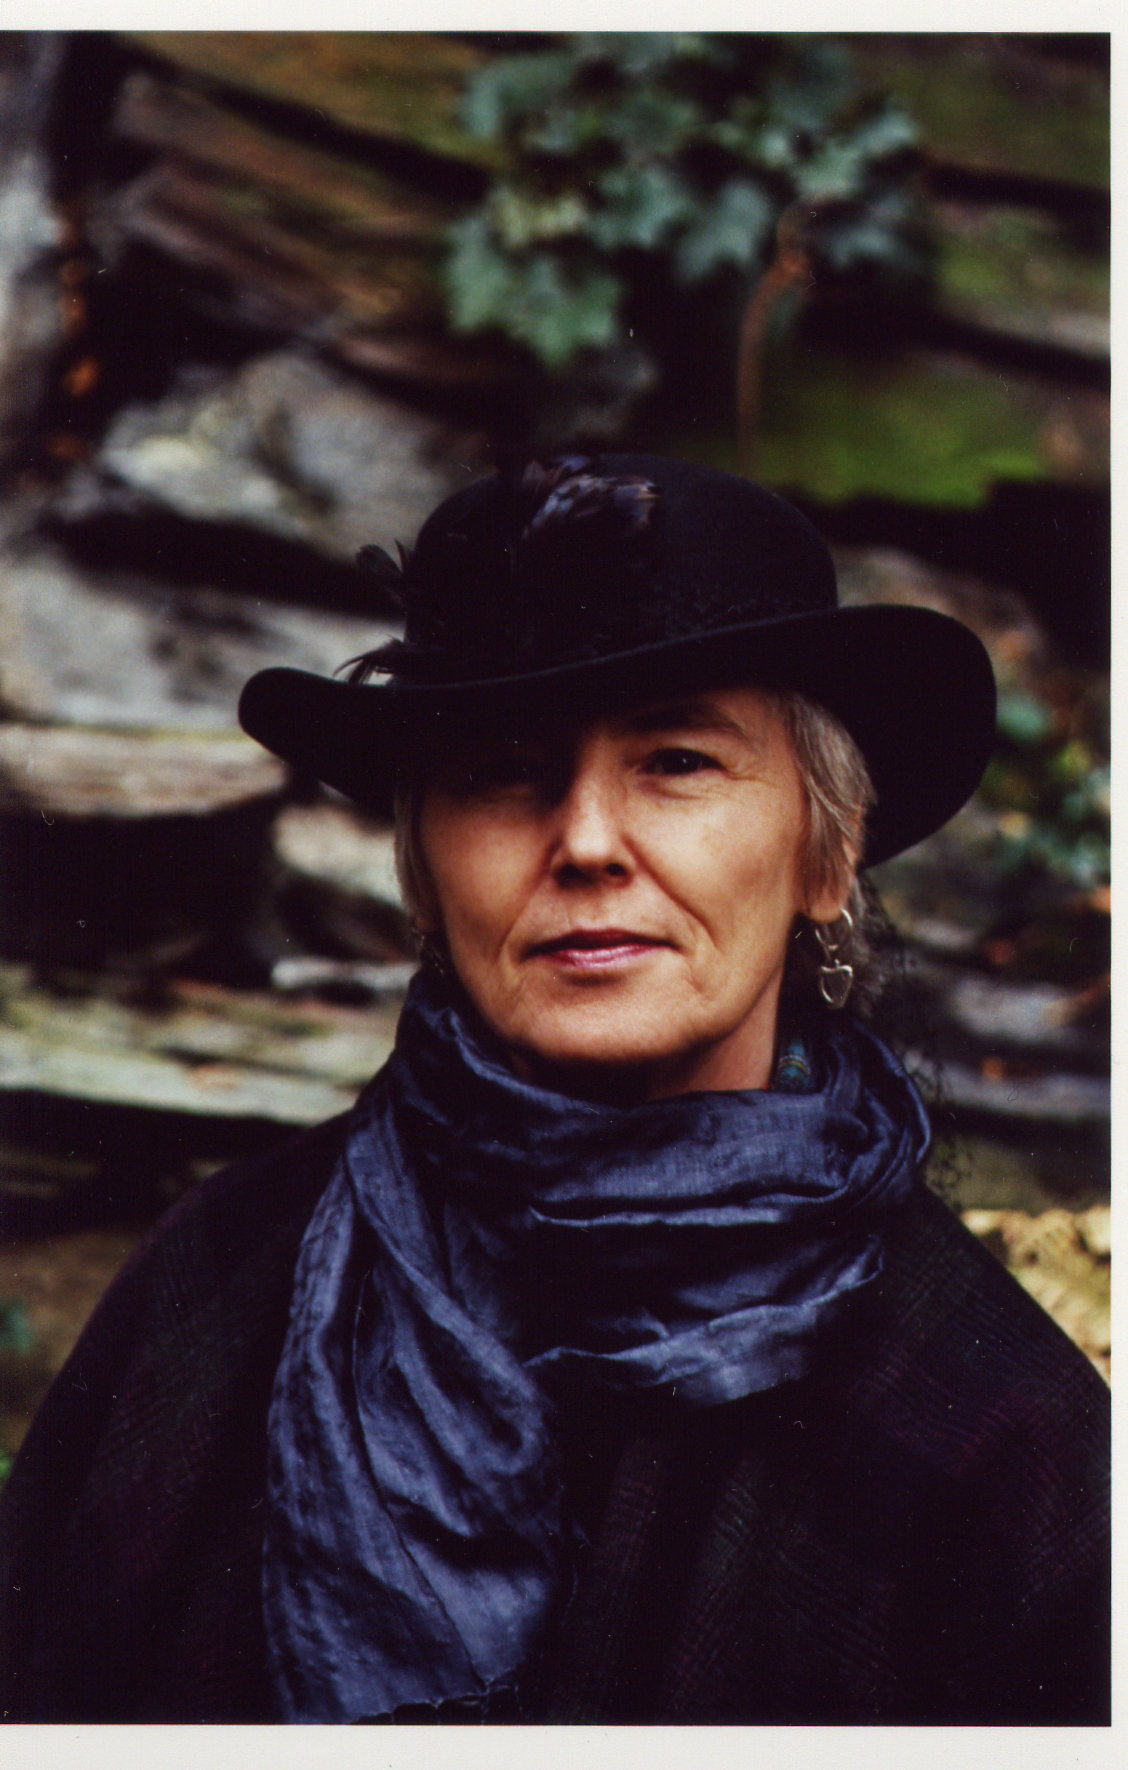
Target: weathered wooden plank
(309, 186)
(231, 231)
(839, 425)
(369, 299)
(396, 85)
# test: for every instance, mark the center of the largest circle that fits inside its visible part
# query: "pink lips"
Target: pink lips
(590, 949)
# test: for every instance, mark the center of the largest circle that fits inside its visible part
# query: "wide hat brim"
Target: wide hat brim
(913, 687)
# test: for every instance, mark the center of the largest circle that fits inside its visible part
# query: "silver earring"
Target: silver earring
(836, 979)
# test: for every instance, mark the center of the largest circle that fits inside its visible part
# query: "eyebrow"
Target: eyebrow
(692, 715)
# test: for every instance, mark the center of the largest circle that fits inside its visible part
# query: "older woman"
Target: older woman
(610, 1360)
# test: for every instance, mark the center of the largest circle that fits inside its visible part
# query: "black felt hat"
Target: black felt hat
(574, 584)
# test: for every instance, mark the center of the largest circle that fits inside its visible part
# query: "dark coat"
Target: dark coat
(918, 1533)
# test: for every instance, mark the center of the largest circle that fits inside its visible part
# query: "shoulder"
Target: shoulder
(129, 1528)
(253, 1212)
(960, 1372)
(203, 1298)
(227, 1245)
(949, 1313)
(988, 1432)
(954, 1465)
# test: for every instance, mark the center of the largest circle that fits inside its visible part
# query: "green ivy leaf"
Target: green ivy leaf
(512, 87)
(558, 309)
(553, 306)
(521, 218)
(15, 1330)
(819, 84)
(563, 130)
(683, 145)
(842, 166)
(642, 55)
(1023, 719)
(886, 131)
(730, 230)
(665, 121)
(640, 206)
(477, 276)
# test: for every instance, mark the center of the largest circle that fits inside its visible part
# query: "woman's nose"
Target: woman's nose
(591, 838)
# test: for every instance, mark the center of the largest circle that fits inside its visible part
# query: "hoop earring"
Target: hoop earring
(836, 979)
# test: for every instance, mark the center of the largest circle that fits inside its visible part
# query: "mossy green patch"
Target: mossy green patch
(988, 103)
(915, 428)
(1017, 270)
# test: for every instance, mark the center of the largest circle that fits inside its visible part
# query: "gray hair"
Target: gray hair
(838, 794)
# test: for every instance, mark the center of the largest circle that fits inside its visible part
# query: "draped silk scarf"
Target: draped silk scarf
(483, 1242)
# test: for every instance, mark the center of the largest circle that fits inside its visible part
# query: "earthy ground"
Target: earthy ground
(49, 1288)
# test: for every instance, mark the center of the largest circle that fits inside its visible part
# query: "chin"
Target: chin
(598, 1056)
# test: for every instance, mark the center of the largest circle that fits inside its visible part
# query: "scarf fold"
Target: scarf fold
(485, 1245)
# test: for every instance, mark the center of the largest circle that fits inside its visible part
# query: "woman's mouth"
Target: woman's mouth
(592, 949)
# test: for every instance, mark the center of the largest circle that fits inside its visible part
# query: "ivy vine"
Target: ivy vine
(616, 150)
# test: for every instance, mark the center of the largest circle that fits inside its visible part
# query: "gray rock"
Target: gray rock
(1014, 1170)
(297, 976)
(1031, 1016)
(121, 651)
(70, 772)
(1053, 1101)
(209, 1053)
(340, 848)
(31, 231)
(946, 893)
(336, 879)
(288, 446)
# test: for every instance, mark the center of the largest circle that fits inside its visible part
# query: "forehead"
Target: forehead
(747, 714)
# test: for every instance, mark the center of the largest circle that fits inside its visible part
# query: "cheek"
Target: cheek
(474, 873)
(752, 863)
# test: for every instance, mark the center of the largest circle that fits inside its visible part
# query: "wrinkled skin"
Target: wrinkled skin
(618, 899)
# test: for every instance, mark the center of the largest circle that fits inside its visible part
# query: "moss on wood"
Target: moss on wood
(399, 85)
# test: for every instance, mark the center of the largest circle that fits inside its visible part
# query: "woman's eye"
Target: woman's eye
(676, 760)
(490, 773)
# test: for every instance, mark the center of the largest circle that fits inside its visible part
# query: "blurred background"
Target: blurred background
(265, 298)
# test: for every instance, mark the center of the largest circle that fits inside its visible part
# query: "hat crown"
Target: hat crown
(586, 557)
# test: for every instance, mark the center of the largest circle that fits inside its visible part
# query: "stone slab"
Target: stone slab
(290, 446)
(72, 772)
(119, 650)
(207, 1052)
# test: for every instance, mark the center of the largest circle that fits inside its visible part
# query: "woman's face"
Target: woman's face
(618, 900)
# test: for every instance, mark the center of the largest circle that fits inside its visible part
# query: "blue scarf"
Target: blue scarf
(483, 1243)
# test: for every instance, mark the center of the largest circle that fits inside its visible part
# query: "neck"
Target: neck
(726, 1067)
